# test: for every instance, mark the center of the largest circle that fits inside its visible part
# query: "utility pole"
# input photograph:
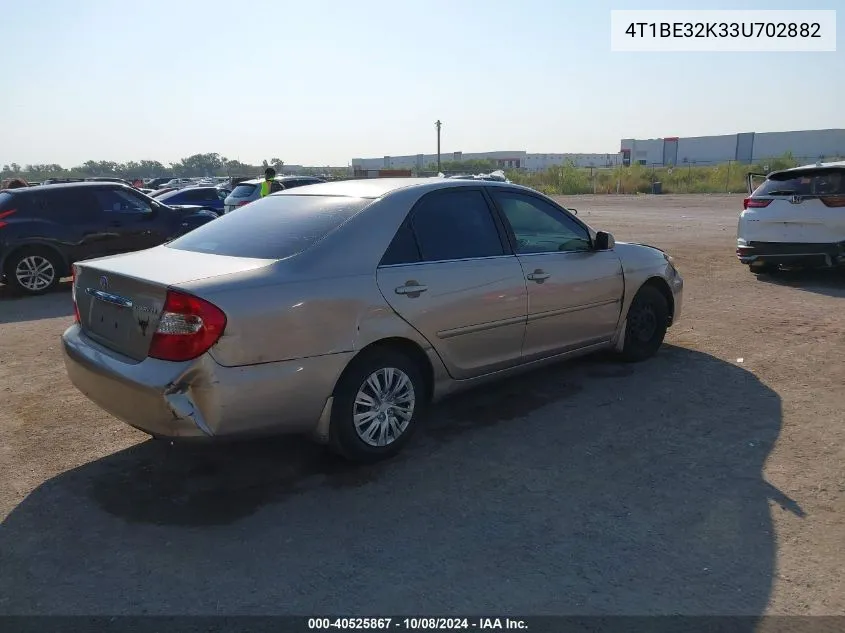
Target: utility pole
(438, 124)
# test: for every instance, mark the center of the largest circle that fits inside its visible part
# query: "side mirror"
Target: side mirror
(604, 241)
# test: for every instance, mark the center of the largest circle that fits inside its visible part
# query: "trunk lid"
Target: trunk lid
(120, 298)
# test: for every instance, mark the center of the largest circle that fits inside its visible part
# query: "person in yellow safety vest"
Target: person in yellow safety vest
(269, 175)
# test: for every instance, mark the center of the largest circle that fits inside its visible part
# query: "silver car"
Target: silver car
(250, 190)
(343, 309)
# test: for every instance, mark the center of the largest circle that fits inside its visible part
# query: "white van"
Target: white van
(795, 218)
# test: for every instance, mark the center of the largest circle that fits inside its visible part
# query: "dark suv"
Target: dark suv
(44, 230)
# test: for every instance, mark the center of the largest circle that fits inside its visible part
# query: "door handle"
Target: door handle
(538, 275)
(411, 289)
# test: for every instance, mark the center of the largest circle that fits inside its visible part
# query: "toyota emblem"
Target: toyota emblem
(104, 282)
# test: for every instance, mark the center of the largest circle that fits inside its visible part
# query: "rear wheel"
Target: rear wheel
(33, 271)
(377, 404)
(646, 324)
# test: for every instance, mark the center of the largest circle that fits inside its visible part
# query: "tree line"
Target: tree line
(211, 164)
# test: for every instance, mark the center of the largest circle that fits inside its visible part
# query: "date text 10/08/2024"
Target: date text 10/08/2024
(421, 623)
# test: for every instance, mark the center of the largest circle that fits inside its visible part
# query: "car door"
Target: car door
(76, 214)
(574, 291)
(129, 218)
(449, 274)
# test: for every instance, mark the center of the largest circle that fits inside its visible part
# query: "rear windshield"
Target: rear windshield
(823, 182)
(272, 228)
(243, 191)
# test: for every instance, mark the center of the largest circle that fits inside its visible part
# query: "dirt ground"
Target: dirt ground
(708, 480)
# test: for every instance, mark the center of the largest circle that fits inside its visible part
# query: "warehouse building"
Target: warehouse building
(504, 160)
(745, 147)
(515, 159)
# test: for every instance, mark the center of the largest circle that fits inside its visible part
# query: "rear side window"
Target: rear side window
(164, 197)
(403, 249)
(455, 225)
(826, 182)
(243, 191)
(69, 206)
(272, 228)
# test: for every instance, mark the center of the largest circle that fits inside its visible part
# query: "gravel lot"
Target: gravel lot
(693, 483)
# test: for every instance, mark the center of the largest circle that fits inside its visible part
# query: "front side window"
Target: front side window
(540, 227)
(455, 224)
(119, 201)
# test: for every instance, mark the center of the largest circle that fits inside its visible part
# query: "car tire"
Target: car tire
(46, 262)
(763, 268)
(645, 325)
(394, 416)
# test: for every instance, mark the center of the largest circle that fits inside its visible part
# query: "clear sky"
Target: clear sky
(319, 82)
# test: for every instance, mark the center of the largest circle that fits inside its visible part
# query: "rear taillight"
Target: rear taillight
(5, 214)
(755, 203)
(75, 276)
(833, 201)
(188, 327)
(240, 204)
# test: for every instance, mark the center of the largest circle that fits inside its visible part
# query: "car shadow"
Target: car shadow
(587, 488)
(55, 303)
(830, 282)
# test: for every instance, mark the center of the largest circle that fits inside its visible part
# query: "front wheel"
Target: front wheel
(377, 404)
(646, 324)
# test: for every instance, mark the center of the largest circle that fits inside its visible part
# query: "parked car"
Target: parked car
(178, 183)
(156, 183)
(210, 198)
(250, 190)
(796, 217)
(44, 230)
(56, 181)
(121, 181)
(343, 310)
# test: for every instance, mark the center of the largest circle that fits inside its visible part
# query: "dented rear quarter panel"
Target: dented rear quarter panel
(322, 301)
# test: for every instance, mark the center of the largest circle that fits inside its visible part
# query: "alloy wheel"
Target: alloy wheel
(35, 273)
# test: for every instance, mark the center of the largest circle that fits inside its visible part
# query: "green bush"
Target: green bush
(728, 177)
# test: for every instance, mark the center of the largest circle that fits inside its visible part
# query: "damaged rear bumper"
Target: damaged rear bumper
(200, 398)
(824, 255)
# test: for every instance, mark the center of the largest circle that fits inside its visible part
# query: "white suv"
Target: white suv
(796, 217)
